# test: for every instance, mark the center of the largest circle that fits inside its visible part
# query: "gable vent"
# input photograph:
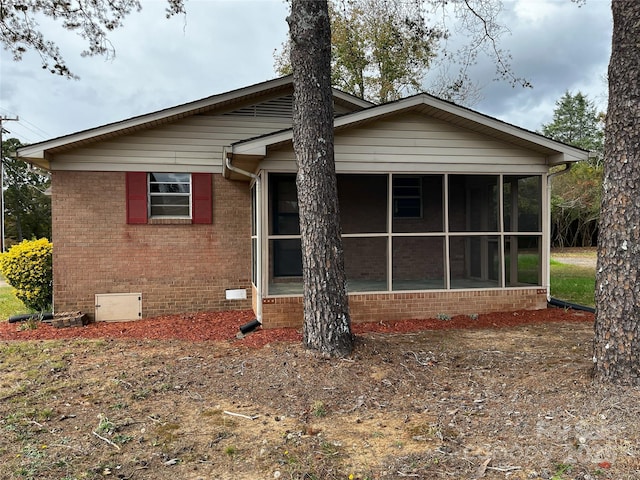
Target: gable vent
(279, 107)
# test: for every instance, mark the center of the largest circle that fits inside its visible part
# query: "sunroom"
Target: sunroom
(442, 210)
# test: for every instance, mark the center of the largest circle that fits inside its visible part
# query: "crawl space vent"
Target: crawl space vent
(118, 307)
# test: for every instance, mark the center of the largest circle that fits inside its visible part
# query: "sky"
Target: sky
(221, 45)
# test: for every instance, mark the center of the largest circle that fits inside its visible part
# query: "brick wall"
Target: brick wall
(287, 311)
(416, 258)
(178, 268)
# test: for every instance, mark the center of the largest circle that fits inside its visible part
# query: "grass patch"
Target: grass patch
(573, 283)
(9, 304)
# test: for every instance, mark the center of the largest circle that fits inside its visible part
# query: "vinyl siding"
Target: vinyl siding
(192, 143)
(415, 143)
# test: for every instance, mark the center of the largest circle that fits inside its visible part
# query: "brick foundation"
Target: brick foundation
(280, 312)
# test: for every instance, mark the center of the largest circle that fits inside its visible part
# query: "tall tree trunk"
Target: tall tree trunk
(327, 325)
(617, 328)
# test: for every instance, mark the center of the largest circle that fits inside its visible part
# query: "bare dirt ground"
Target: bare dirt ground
(503, 396)
(582, 256)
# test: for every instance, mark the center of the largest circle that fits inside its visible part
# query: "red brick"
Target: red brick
(177, 268)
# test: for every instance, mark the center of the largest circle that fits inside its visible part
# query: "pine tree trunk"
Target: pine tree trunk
(617, 328)
(327, 325)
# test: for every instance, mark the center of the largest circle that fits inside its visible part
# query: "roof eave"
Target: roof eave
(38, 150)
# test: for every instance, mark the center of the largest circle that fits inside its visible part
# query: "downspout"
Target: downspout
(550, 177)
(258, 213)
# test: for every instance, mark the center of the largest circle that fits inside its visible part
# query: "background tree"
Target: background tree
(616, 353)
(477, 27)
(576, 196)
(576, 121)
(93, 20)
(380, 50)
(383, 50)
(27, 210)
(327, 324)
(575, 206)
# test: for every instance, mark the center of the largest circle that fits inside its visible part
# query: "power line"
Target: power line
(27, 126)
(2, 130)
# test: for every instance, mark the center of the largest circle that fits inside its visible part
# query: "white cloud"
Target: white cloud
(218, 46)
(558, 47)
(222, 45)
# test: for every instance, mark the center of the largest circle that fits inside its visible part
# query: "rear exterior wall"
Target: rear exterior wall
(177, 268)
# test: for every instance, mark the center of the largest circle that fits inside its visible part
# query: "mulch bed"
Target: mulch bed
(224, 326)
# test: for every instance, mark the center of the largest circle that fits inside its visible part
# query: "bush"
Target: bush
(27, 267)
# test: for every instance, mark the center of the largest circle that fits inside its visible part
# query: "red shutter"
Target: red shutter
(202, 198)
(136, 197)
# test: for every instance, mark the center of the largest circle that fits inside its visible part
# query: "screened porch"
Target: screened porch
(405, 233)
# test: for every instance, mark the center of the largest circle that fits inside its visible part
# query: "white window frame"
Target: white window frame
(179, 194)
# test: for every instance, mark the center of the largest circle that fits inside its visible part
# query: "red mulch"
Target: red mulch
(223, 326)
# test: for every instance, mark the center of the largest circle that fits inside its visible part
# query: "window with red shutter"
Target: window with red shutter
(202, 201)
(169, 197)
(136, 197)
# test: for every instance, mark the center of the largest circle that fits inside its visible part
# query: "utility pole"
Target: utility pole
(2, 130)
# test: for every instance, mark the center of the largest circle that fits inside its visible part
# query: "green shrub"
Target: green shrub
(27, 268)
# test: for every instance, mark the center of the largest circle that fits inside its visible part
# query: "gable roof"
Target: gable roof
(556, 152)
(37, 152)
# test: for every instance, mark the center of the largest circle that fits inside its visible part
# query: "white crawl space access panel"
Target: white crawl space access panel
(118, 307)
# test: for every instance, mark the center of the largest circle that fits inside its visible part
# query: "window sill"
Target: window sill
(169, 221)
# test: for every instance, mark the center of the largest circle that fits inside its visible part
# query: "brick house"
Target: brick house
(193, 208)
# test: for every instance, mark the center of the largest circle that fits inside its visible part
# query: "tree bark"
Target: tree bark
(327, 324)
(617, 336)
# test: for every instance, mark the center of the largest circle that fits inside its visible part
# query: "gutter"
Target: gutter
(227, 163)
(550, 177)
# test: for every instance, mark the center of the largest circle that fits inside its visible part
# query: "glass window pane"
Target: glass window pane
(169, 188)
(473, 203)
(418, 263)
(285, 267)
(523, 265)
(175, 200)
(169, 194)
(423, 212)
(363, 203)
(283, 204)
(169, 211)
(365, 263)
(474, 261)
(522, 203)
(170, 177)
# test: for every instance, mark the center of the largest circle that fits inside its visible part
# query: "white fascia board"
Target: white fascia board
(574, 154)
(259, 145)
(258, 148)
(348, 98)
(377, 111)
(38, 150)
(571, 153)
